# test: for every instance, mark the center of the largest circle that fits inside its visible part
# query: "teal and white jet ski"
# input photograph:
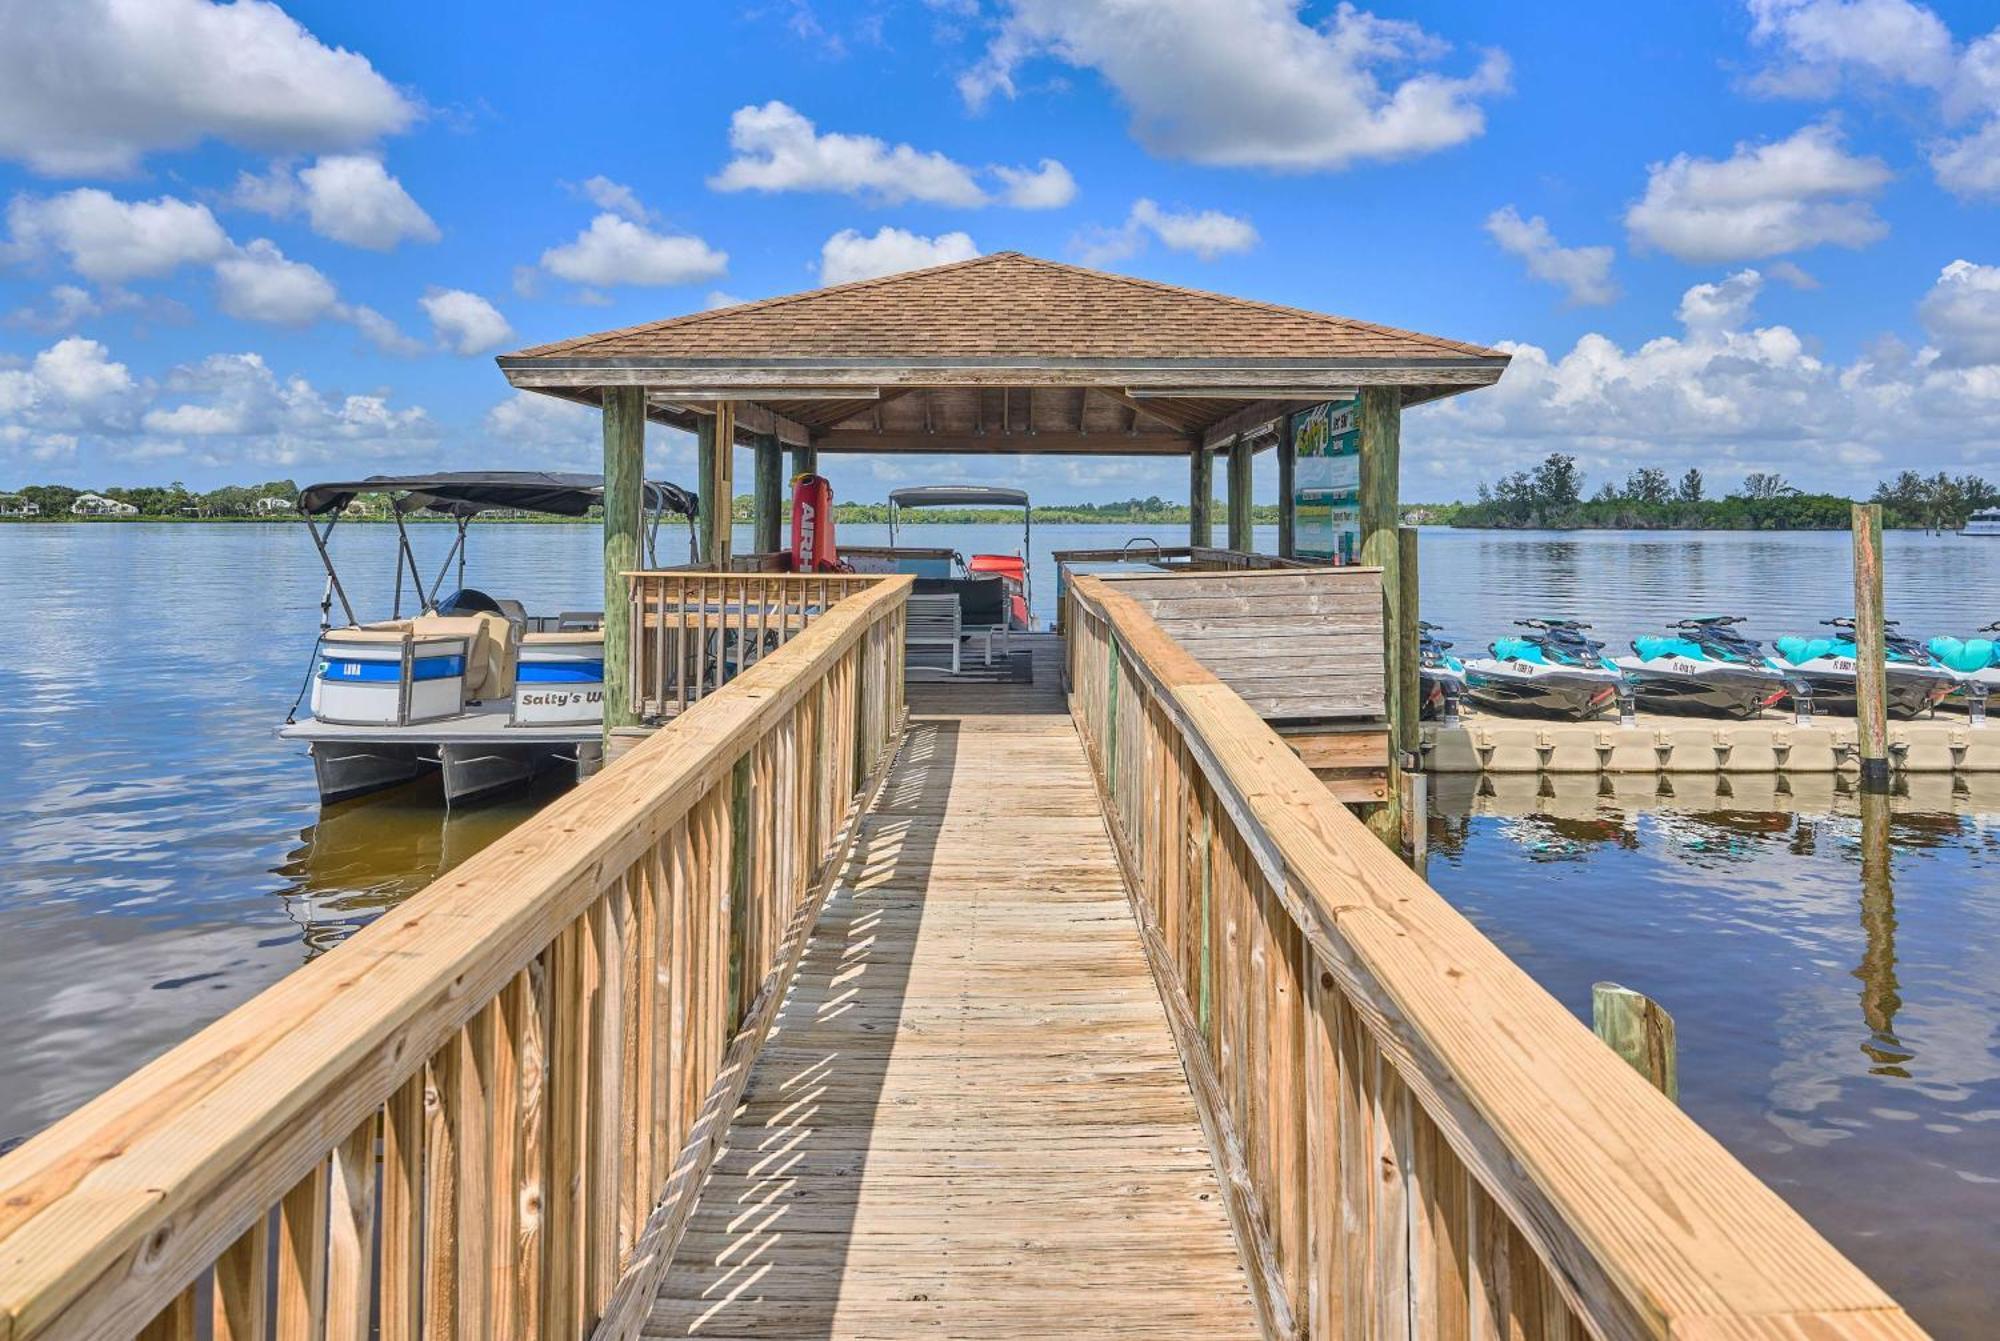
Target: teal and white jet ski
(1440, 675)
(1704, 667)
(1552, 671)
(1974, 663)
(1914, 680)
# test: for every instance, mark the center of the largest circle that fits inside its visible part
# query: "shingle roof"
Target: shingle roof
(1008, 305)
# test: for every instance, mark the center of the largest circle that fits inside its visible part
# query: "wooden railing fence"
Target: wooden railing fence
(693, 632)
(1414, 1139)
(486, 1114)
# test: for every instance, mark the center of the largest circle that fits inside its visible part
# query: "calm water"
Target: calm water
(163, 857)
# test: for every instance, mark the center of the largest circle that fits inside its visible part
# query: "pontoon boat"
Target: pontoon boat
(943, 569)
(469, 684)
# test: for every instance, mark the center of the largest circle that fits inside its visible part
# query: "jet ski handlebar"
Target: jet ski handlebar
(1550, 624)
(1708, 622)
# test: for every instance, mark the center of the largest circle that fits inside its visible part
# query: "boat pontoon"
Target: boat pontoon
(468, 684)
(946, 570)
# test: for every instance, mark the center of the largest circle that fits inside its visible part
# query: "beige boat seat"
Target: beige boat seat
(489, 649)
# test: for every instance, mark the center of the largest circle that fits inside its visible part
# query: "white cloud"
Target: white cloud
(1048, 187)
(91, 86)
(622, 200)
(1206, 233)
(718, 299)
(1251, 83)
(240, 410)
(258, 283)
(352, 198)
(1821, 46)
(1583, 273)
(614, 250)
(381, 332)
(70, 387)
(1730, 396)
(464, 322)
(525, 419)
(777, 148)
(112, 240)
(848, 255)
(1763, 200)
(1961, 313)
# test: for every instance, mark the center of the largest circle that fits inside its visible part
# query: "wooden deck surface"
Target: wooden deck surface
(970, 1120)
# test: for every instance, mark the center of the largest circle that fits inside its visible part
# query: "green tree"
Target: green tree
(1762, 487)
(1689, 490)
(1558, 483)
(1647, 485)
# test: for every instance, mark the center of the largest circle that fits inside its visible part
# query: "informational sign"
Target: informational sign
(1326, 485)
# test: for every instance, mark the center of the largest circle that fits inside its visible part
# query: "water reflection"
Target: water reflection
(1829, 958)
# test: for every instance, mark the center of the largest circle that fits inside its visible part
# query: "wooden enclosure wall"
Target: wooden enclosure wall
(486, 1110)
(1413, 1138)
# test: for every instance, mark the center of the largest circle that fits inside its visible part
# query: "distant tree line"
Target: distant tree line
(1554, 495)
(1153, 510)
(161, 500)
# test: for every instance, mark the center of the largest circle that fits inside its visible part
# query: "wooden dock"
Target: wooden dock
(1772, 743)
(969, 1119)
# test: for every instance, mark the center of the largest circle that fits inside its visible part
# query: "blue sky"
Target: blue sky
(248, 241)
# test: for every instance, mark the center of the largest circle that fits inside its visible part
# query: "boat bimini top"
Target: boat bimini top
(463, 495)
(957, 495)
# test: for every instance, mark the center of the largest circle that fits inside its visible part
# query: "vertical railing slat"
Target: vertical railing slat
(301, 1287)
(350, 1264)
(242, 1286)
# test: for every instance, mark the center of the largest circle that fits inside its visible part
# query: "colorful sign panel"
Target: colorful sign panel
(1326, 485)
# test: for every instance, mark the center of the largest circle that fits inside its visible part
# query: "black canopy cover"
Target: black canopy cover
(466, 493)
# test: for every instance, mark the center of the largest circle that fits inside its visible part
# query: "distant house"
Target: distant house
(19, 507)
(97, 505)
(268, 506)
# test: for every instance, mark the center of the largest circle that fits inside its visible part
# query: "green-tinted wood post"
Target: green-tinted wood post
(805, 460)
(1381, 424)
(624, 475)
(1242, 462)
(1870, 656)
(1201, 494)
(1637, 1029)
(770, 488)
(1288, 470)
(1404, 729)
(715, 455)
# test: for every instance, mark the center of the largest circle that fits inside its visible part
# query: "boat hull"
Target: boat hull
(346, 771)
(1527, 690)
(1909, 691)
(1702, 689)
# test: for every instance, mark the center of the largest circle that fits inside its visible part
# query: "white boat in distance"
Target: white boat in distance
(472, 685)
(1982, 523)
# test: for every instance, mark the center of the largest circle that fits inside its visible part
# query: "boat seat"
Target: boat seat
(489, 649)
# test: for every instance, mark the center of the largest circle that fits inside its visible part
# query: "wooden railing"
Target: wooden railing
(1414, 1139)
(486, 1114)
(1175, 558)
(693, 632)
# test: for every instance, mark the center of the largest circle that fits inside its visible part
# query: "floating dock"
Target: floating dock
(1656, 743)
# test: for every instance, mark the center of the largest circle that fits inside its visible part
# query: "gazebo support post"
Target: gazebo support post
(1201, 494)
(1241, 459)
(1381, 462)
(624, 514)
(770, 507)
(1288, 508)
(805, 460)
(715, 453)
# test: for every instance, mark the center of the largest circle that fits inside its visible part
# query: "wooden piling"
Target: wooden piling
(715, 452)
(1241, 469)
(1637, 1029)
(1381, 424)
(770, 495)
(805, 460)
(1288, 469)
(1870, 654)
(1201, 495)
(624, 476)
(1405, 698)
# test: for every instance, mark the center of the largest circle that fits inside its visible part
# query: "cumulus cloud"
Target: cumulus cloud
(91, 86)
(464, 322)
(349, 198)
(777, 148)
(1961, 314)
(258, 282)
(111, 240)
(619, 199)
(560, 433)
(1252, 83)
(236, 408)
(1206, 233)
(1763, 200)
(614, 250)
(848, 255)
(1820, 47)
(72, 386)
(1582, 273)
(1728, 394)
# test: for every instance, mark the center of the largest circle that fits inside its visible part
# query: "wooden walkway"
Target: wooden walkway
(970, 1119)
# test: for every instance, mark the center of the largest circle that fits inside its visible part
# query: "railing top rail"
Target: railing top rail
(169, 1165)
(1656, 1228)
(745, 576)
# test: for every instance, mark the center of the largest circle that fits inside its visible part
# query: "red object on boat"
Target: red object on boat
(1013, 570)
(812, 526)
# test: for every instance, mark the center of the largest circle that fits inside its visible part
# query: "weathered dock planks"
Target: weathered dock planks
(970, 1119)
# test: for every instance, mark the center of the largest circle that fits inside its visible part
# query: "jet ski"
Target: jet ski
(1703, 667)
(1913, 679)
(1973, 662)
(1552, 671)
(1440, 675)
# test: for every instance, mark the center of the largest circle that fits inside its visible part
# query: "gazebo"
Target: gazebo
(1005, 353)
